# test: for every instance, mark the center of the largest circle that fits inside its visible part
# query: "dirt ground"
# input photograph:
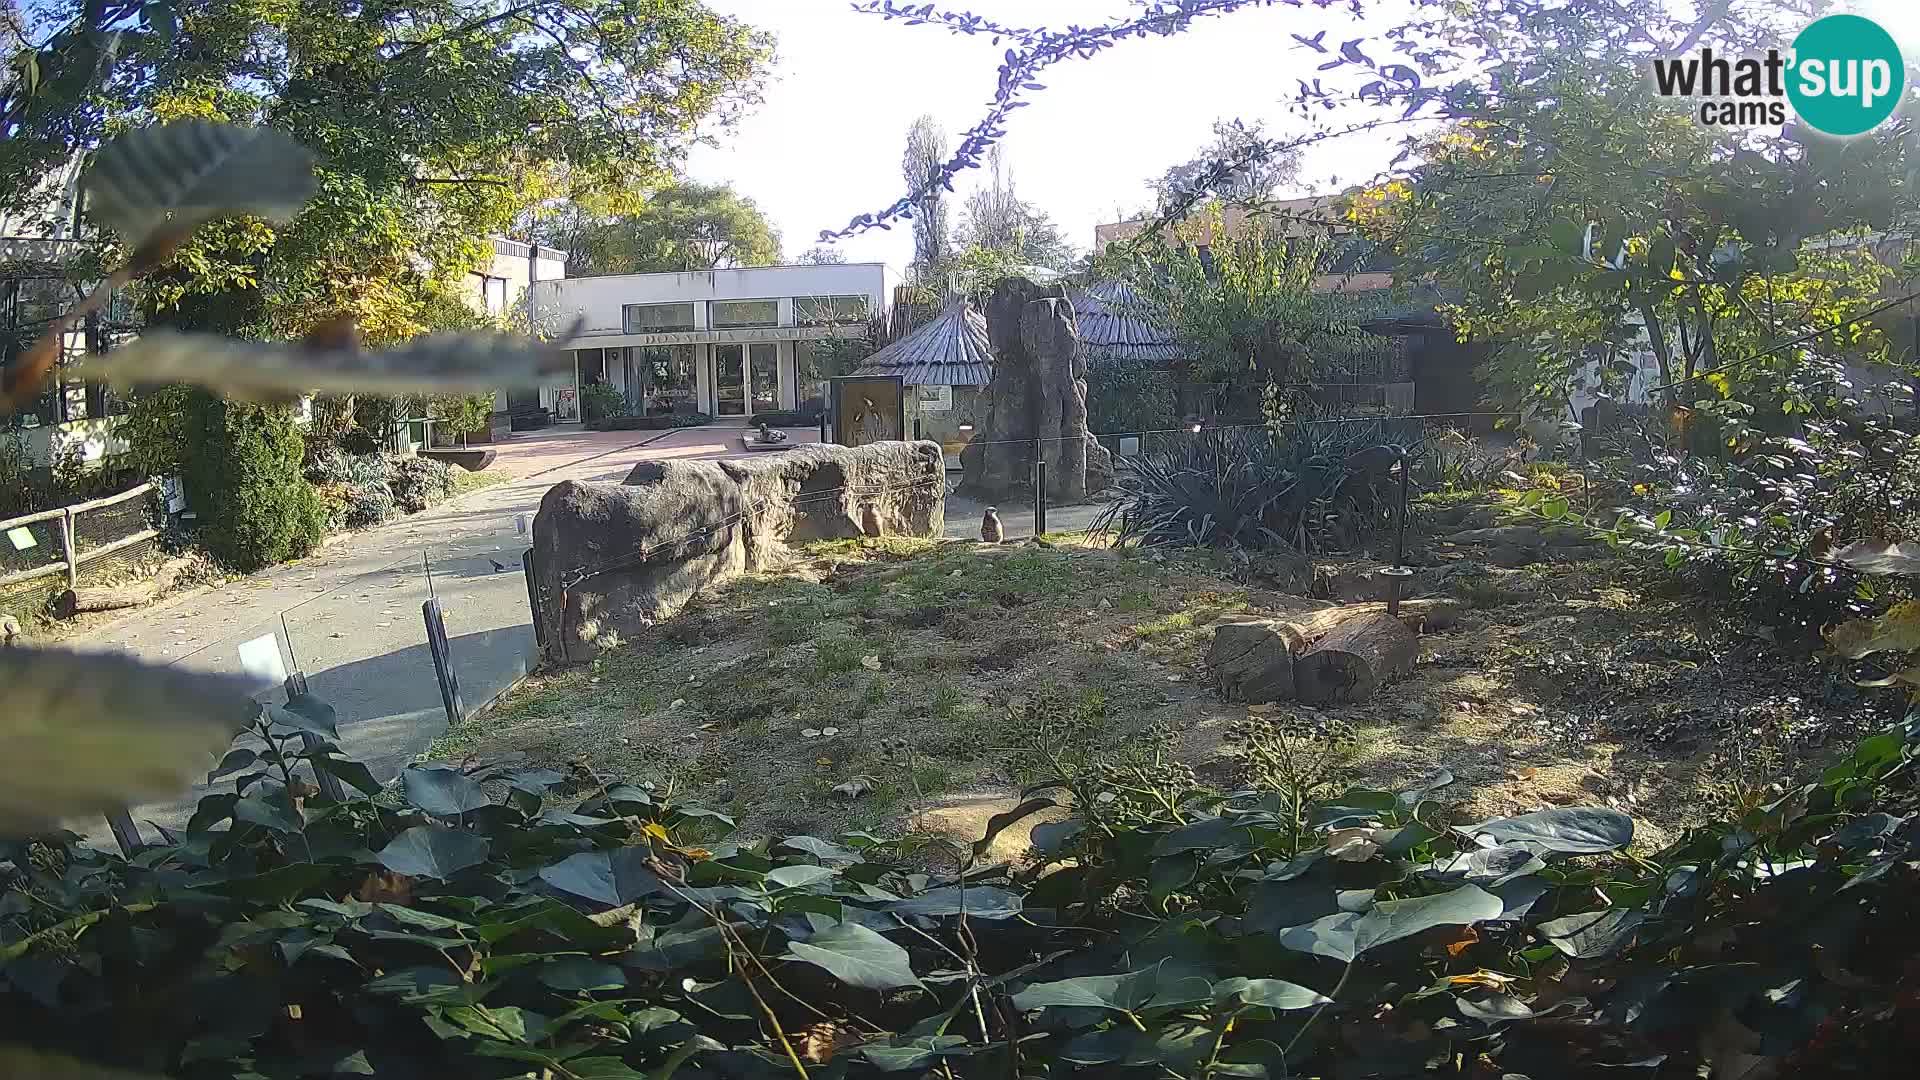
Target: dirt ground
(941, 677)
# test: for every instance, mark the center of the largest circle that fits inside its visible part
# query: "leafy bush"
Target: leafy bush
(254, 506)
(600, 402)
(462, 414)
(484, 925)
(1123, 397)
(1322, 486)
(419, 482)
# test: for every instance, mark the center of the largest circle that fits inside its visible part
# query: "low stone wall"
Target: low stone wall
(611, 560)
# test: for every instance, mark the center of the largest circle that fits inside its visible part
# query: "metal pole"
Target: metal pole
(1400, 529)
(67, 548)
(295, 686)
(1039, 488)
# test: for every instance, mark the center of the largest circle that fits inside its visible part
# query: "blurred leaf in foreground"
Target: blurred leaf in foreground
(84, 733)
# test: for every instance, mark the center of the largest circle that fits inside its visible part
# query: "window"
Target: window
(740, 314)
(829, 310)
(658, 318)
(491, 292)
(670, 379)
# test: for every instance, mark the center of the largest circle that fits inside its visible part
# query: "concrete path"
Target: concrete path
(350, 615)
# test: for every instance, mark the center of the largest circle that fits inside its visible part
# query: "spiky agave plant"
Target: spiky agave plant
(1218, 489)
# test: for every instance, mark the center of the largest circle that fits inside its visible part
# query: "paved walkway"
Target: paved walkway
(350, 615)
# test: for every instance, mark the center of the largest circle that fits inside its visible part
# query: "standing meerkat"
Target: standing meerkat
(870, 521)
(990, 528)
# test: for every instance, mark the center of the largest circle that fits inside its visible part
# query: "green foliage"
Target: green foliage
(687, 226)
(1578, 221)
(462, 414)
(600, 401)
(481, 924)
(156, 427)
(1250, 305)
(1123, 397)
(1246, 489)
(243, 475)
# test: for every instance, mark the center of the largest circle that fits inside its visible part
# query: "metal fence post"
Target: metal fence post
(443, 662)
(533, 600)
(1039, 487)
(125, 832)
(295, 686)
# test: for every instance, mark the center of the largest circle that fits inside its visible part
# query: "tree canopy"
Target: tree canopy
(1255, 166)
(686, 226)
(995, 217)
(437, 122)
(920, 167)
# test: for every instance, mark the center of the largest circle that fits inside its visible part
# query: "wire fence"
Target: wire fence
(53, 549)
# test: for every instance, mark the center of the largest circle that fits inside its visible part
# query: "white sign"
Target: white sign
(1129, 446)
(22, 538)
(260, 658)
(936, 399)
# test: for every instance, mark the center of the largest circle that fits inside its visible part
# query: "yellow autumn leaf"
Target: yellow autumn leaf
(657, 831)
(1491, 980)
(1896, 631)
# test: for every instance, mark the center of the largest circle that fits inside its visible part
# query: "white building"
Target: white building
(727, 343)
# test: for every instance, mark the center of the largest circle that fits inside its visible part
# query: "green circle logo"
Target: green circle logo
(1847, 75)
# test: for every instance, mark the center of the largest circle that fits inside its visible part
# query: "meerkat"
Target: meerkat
(870, 521)
(990, 528)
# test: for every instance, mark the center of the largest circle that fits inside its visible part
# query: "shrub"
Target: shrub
(1322, 486)
(462, 414)
(419, 482)
(1298, 929)
(253, 506)
(600, 402)
(1123, 398)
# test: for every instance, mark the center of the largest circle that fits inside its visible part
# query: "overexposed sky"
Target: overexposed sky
(827, 142)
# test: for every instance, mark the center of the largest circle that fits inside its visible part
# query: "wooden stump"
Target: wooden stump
(1356, 655)
(1252, 661)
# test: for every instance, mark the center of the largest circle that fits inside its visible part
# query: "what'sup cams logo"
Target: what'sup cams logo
(1844, 76)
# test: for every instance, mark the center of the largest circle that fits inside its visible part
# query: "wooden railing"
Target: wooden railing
(70, 560)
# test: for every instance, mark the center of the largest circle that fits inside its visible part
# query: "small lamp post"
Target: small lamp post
(1398, 574)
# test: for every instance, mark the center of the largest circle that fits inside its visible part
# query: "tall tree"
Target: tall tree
(822, 255)
(687, 226)
(1240, 165)
(997, 219)
(926, 153)
(437, 123)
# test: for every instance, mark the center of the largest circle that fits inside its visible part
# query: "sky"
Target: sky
(826, 144)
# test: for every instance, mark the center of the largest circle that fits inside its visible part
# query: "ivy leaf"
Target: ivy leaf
(1593, 934)
(87, 733)
(1271, 993)
(1085, 992)
(1348, 935)
(978, 901)
(235, 761)
(902, 1054)
(580, 974)
(612, 878)
(433, 851)
(272, 808)
(162, 181)
(824, 850)
(353, 772)
(304, 712)
(797, 877)
(442, 790)
(1567, 830)
(856, 956)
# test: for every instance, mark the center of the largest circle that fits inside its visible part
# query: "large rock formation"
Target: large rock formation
(1038, 392)
(613, 559)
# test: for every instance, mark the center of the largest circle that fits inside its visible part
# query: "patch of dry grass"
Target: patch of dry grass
(933, 670)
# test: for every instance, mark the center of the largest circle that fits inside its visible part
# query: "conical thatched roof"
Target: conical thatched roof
(950, 350)
(1108, 313)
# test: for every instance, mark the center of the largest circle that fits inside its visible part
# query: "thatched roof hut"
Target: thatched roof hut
(950, 350)
(1111, 325)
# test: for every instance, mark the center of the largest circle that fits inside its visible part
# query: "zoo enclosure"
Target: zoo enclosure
(63, 540)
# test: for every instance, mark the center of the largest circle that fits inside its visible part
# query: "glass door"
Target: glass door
(730, 380)
(764, 358)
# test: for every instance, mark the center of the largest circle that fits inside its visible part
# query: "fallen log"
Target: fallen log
(1420, 616)
(93, 598)
(1252, 660)
(1355, 655)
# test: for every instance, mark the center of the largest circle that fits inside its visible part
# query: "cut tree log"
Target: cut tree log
(112, 598)
(1252, 660)
(1420, 616)
(1355, 656)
